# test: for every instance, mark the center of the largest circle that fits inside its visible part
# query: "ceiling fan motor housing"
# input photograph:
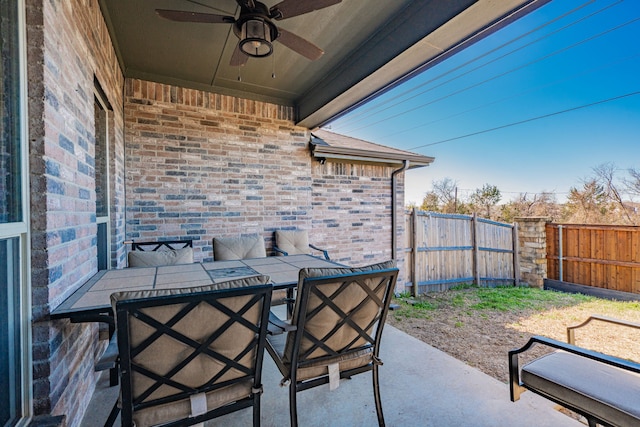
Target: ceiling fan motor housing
(255, 27)
(256, 31)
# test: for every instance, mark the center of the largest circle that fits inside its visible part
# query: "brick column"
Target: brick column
(533, 250)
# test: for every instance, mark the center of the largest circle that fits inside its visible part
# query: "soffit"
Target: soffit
(369, 46)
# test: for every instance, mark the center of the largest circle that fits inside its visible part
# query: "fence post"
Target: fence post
(474, 239)
(560, 252)
(414, 259)
(516, 255)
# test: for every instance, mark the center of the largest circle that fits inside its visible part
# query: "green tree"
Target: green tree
(430, 202)
(486, 198)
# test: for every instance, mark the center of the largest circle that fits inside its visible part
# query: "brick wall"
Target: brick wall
(352, 211)
(201, 165)
(533, 250)
(68, 49)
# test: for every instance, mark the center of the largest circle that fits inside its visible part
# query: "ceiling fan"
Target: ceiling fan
(255, 29)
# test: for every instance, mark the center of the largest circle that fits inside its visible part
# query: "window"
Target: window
(15, 375)
(10, 176)
(101, 117)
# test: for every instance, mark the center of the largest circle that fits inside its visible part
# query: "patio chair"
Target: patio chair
(161, 245)
(189, 355)
(335, 330)
(233, 248)
(291, 242)
(159, 253)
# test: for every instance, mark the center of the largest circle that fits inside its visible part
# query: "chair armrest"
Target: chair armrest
(514, 372)
(277, 249)
(277, 326)
(571, 337)
(324, 252)
(109, 358)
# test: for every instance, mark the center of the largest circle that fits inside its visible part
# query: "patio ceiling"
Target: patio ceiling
(369, 47)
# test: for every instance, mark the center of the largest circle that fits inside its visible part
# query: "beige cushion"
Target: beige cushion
(293, 241)
(160, 258)
(319, 368)
(230, 248)
(607, 392)
(321, 324)
(160, 414)
(165, 352)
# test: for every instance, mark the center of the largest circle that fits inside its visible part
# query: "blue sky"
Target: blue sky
(531, 108)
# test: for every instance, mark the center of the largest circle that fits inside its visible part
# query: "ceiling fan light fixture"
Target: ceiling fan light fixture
(256, 37)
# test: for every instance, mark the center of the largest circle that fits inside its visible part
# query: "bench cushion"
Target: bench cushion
(604, 391)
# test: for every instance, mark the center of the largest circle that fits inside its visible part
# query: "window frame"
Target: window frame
(21, 230)
(101, 99)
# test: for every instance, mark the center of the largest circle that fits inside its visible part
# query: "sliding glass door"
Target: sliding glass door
(10, 348)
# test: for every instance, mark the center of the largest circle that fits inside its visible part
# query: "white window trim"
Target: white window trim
(106, 219)
(22, 230)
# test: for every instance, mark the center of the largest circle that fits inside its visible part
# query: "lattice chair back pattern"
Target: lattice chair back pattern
(336, 328)
(190, 355)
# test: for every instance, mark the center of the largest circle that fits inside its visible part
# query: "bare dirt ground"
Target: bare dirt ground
(482, 337)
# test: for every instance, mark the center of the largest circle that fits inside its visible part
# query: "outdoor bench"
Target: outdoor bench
(602, 388)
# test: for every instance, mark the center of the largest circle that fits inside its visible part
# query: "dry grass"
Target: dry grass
(479, 326)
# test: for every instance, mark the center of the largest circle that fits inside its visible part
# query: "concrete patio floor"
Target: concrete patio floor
(421, 386)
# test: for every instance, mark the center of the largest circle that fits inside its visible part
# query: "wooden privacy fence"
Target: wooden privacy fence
(443, 250)
(603, 256)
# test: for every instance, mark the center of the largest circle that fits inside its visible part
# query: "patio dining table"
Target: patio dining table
(91, 302)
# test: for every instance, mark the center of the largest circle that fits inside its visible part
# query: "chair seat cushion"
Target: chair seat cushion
(160, 258)
(319, 367)
(604, 391)
(182, 409)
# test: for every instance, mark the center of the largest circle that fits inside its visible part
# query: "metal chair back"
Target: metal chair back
(337, 323)
(190, 355)
(161, 245)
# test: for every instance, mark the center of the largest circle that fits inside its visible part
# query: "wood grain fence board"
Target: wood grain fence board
(597, 244)
(453, 249)
(601, 256)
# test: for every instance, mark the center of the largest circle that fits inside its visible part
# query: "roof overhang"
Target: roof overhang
(370, 46)
(396, 56)
(322, 151)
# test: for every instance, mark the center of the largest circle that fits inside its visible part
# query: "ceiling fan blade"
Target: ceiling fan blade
(299, 45)
(184, 16)
(290, 8)
(238, 58)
